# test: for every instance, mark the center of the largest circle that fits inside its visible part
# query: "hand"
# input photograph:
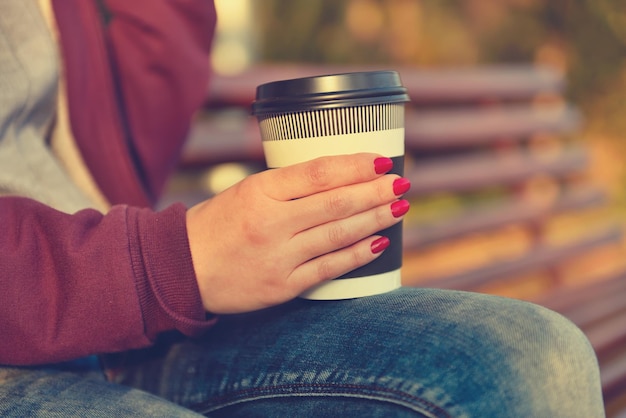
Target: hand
(276, 233)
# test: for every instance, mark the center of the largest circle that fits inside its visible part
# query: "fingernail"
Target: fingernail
(382, 165)
(399, 208)
(379, 245)
(401, 186)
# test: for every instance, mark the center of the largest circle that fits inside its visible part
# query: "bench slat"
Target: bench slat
(608, 334)
(586, 316)
(443, 129)
(538, 258)
(472, 172)
(613, 378)
(567, 300)
(498, 215)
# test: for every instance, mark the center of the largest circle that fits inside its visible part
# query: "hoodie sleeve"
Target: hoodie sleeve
(88, 283)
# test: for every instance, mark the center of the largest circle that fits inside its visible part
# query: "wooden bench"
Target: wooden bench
(501, 144)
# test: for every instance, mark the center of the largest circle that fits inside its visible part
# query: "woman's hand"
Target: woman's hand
(276, 233)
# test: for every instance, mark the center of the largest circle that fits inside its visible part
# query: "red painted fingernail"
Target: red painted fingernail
(379, 245)
(399, 208)
(382, 165)
(401, 186)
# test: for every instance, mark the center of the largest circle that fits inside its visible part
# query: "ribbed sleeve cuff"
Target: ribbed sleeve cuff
(164, 274)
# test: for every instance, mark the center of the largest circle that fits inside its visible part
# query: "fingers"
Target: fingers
(346, 201)
(342, 233)
(323, 174)
(335, 264)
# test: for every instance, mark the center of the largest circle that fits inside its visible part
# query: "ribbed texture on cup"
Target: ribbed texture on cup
(333, 121)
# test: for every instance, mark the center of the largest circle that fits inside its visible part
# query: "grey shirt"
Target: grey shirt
(29, 73)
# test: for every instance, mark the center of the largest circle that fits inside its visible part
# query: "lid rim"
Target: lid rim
(327, 91)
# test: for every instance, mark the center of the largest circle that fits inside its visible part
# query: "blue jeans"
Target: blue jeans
(410, 352)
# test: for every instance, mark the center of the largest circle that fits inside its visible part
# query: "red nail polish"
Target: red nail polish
(379, 245)
(399, 208)
(382, 165)
(401, 186)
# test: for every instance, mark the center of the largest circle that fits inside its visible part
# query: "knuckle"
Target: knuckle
(359, 258)
(325, 270)
(338, 235)
(337, 204)
(251, 182)
(317, 172)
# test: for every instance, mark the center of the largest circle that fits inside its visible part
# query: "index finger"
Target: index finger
(323, 173)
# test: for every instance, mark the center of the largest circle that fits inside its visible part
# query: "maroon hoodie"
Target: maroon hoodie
(88, 283)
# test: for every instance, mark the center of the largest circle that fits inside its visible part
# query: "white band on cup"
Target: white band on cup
(389, 143)
(355, 288)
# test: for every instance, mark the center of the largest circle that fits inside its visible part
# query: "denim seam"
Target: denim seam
(397, 397)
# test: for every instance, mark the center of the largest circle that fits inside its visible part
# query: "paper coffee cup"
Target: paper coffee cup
(305, 118)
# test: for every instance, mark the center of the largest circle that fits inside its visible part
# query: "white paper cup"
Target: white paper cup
(306, 118)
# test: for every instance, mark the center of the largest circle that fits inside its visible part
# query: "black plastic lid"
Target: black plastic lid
(328, 91)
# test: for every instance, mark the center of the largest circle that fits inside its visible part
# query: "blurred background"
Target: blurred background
(584, 39)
